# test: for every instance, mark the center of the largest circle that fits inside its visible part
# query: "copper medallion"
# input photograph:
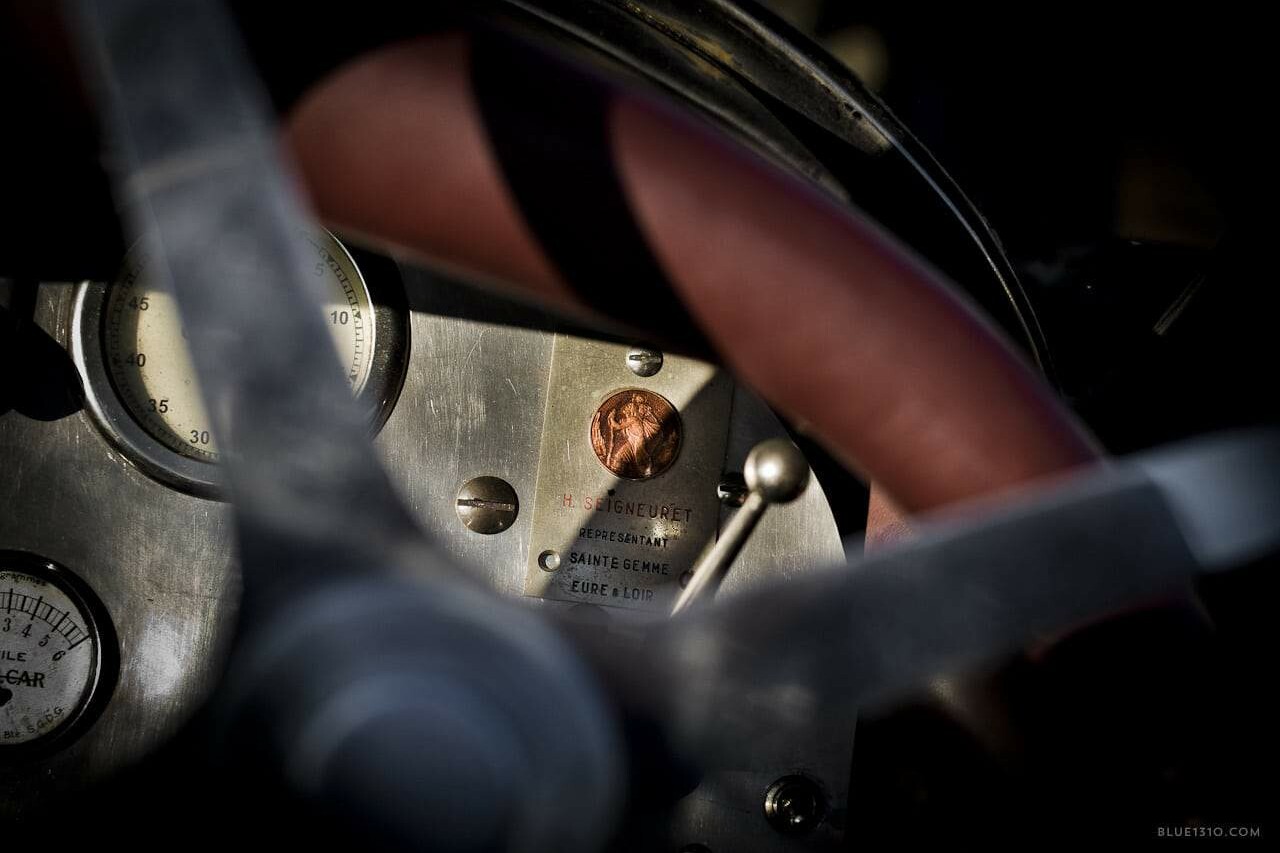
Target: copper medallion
(636, 434)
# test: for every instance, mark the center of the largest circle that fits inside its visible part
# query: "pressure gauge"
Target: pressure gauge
(142, 386)
(58, 654)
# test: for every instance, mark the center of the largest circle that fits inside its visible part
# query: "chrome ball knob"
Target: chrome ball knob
(777, 470)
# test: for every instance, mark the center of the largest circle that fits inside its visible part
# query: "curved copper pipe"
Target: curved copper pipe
(816, 307)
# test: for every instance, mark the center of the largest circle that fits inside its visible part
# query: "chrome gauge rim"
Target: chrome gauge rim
(96, 633)
(378, 378)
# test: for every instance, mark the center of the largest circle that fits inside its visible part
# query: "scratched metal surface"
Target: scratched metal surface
(160, 560)
(473, 403)
(585, 373)
(725, 812)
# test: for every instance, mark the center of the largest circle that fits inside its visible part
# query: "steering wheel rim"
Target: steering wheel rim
(942, 408)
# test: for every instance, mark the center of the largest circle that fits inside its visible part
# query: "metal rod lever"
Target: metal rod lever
(776, 473)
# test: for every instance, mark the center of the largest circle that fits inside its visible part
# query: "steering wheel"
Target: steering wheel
(811, 303)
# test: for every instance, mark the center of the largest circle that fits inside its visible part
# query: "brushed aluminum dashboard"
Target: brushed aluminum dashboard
(474, 403)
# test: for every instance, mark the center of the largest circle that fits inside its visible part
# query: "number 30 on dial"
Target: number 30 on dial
(146, 355)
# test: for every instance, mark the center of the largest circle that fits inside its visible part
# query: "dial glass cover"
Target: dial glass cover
(50, 651)
(146, 356)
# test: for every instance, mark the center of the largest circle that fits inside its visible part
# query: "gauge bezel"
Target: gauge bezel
(106, 645)
(388, 363)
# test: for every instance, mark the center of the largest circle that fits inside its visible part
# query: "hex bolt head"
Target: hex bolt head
(487, 505)
(794, 805)
(644, 361)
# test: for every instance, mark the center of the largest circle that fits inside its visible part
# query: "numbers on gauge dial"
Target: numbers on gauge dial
(145, 349)
(48, 657)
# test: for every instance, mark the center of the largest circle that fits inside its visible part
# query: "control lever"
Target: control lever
(776, 473)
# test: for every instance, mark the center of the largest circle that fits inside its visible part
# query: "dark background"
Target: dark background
(1122, 155)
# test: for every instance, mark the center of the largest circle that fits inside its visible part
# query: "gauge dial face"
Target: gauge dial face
(50, 654)
(146, 355)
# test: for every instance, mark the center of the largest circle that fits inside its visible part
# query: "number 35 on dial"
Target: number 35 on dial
(145, 351)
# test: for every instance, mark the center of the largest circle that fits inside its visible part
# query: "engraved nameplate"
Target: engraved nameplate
(625, 501)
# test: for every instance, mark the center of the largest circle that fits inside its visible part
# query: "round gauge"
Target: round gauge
(147, 358)
(142, 385)
(57, 651)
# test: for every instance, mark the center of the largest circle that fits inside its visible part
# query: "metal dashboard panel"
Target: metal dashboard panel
(160, 561)
(473, 404)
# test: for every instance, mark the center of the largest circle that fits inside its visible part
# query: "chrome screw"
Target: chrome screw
(487, 505)
(643, 361)
(794, 805)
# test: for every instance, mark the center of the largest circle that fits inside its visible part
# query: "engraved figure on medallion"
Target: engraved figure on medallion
(636, 434)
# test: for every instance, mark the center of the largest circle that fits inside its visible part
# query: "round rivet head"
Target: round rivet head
(777, 470)
(644, 361)
(549, 561)
(487, 505)
(794, 805)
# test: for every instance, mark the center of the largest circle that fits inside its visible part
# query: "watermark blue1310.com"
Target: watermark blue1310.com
(1214, 831)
